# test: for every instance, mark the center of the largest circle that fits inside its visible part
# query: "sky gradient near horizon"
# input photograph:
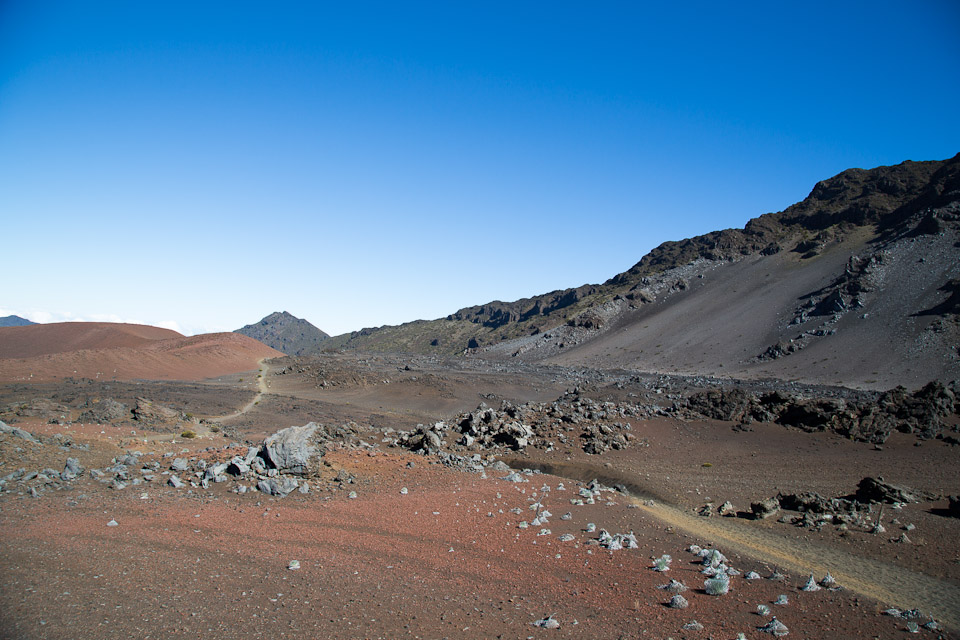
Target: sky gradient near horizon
(201, 165)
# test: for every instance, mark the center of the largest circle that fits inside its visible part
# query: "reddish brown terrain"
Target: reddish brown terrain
(430, 547)
(108, 351)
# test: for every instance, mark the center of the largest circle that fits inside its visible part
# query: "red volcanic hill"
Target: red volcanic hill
(109, 351)
(42, 339)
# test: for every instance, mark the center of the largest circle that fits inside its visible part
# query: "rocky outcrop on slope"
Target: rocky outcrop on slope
(102, 411)
(287, 333)
(927, 413)
(570, 421)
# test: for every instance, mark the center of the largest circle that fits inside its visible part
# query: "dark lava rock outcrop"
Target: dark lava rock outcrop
(925, 413)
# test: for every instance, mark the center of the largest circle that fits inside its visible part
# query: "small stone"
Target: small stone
(547, 623)
(404, 491)
(678, 602)
(112, 523)
(294, 565)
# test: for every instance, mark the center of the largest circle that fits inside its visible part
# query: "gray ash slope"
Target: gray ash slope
(858, 284)
(287, 333)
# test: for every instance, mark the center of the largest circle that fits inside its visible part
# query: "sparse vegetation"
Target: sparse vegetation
(718, 585)
(662, 563)
(188, 434)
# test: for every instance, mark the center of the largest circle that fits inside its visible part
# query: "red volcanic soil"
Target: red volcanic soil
(106, 351)
(42, 339)
(443, 559)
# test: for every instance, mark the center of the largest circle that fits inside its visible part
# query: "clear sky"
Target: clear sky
(198, 165)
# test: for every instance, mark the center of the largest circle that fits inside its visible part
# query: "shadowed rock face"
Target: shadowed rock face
(287, 333)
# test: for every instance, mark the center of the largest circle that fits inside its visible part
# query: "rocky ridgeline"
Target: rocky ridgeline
(927, 413)
(570, 421)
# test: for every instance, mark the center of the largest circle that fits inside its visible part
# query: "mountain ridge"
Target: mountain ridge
(877, 202)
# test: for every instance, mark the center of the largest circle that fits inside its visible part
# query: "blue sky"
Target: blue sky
(200, 165)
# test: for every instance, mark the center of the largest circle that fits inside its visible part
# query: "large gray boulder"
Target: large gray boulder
(294, 450)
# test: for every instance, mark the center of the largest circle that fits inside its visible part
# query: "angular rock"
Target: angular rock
(17, 432)
(72, 469)
(106, 410)
(765, 508)
(876, 490)
(149, 412)
(238, 466)
(294, 450)
(277, 486)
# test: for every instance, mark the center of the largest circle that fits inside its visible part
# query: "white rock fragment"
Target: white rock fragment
(547, 623)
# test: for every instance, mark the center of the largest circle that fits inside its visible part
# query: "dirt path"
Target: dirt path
(888, 584)
(263, 387)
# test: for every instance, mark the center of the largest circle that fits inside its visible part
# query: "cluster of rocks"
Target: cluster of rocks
(286, 461)
(37, 408)
(855, 510)
(570, 421)
(927, 413)
(42, 480)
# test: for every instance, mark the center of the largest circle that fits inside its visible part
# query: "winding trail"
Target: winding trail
(886, 583)
(262, 389)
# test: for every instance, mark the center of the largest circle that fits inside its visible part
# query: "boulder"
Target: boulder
(294, 450)
(765, 508)
(17, 432)
(876, 490)
(954, 508)
(106, 410)
(72, 469)
(149, 412)
(277, 486)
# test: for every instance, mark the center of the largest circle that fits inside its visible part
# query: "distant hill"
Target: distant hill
(60, 337)
(287, 333)
(114, 351)
(15, 321)
(869, 258)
